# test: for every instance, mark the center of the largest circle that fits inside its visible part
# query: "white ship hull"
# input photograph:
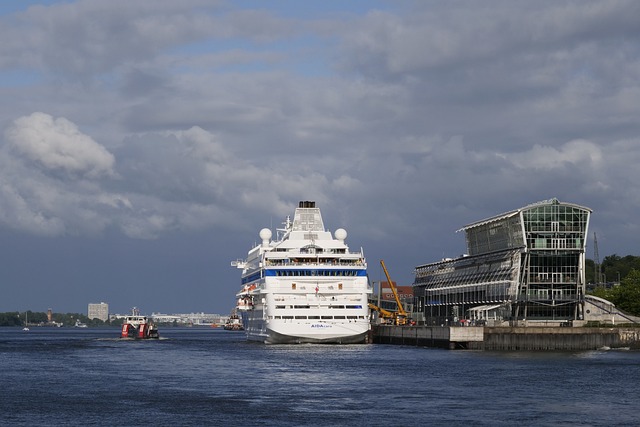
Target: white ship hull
(302, 332)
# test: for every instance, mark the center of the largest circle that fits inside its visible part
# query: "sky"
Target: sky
(144, 144)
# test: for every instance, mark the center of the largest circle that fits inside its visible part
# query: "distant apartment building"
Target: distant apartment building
(98, 311)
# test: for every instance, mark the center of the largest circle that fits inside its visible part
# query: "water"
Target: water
(201, 377)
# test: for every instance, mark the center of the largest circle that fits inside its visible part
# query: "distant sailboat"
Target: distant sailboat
(26, 321)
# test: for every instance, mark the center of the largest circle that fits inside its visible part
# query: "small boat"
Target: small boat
(139, 327)
(234, 323)
(79, 324)
(26, 322)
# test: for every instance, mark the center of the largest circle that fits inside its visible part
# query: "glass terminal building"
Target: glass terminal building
(525, 264)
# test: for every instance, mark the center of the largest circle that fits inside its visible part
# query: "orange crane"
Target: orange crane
(398, 317)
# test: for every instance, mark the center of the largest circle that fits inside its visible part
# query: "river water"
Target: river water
(202, 377)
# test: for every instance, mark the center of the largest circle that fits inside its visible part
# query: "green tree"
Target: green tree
(615, 268)
(603, 292)
(11, 319)
(589, 271)
(627, 295)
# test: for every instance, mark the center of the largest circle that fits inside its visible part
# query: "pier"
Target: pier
(527, 338)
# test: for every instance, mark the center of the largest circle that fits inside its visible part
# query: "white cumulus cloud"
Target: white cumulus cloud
(57, 145)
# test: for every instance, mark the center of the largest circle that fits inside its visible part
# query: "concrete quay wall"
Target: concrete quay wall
(535, 338)
(507, 338)
(428, 336)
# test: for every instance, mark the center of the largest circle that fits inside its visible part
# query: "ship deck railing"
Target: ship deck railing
(301, 263)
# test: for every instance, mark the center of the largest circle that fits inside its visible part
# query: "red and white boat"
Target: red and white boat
(139, 327)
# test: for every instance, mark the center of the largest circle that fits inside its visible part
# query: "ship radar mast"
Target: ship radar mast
(282, 232)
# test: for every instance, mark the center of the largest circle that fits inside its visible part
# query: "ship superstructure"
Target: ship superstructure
(305, 286)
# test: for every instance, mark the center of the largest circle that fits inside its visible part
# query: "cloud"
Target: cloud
(577, 153)
(385, 43)
(192, 179)
(16, 212)
(88, 37)
(55, 179)
(56, 145)
(59, 181)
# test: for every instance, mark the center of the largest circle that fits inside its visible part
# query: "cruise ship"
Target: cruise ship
(304, 286)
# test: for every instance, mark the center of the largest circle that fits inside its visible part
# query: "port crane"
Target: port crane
(398, 317)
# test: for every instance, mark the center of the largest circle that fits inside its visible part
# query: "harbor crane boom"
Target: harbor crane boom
(399, 317)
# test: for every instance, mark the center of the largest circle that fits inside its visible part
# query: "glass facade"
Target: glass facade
(492, 236)
(553, 284)
(525, 264)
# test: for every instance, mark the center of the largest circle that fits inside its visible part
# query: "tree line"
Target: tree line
(15, 318)
(619, 281)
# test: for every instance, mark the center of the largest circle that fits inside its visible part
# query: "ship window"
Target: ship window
(327, 317)
(277, 317)
(354, 306)
(301, 317)
(338, 317)
(340, 286)
(301, 306)
(287, 317)
(352, 317)
(280, 306)
(293, 286)
(336, 306)
(314, 317)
